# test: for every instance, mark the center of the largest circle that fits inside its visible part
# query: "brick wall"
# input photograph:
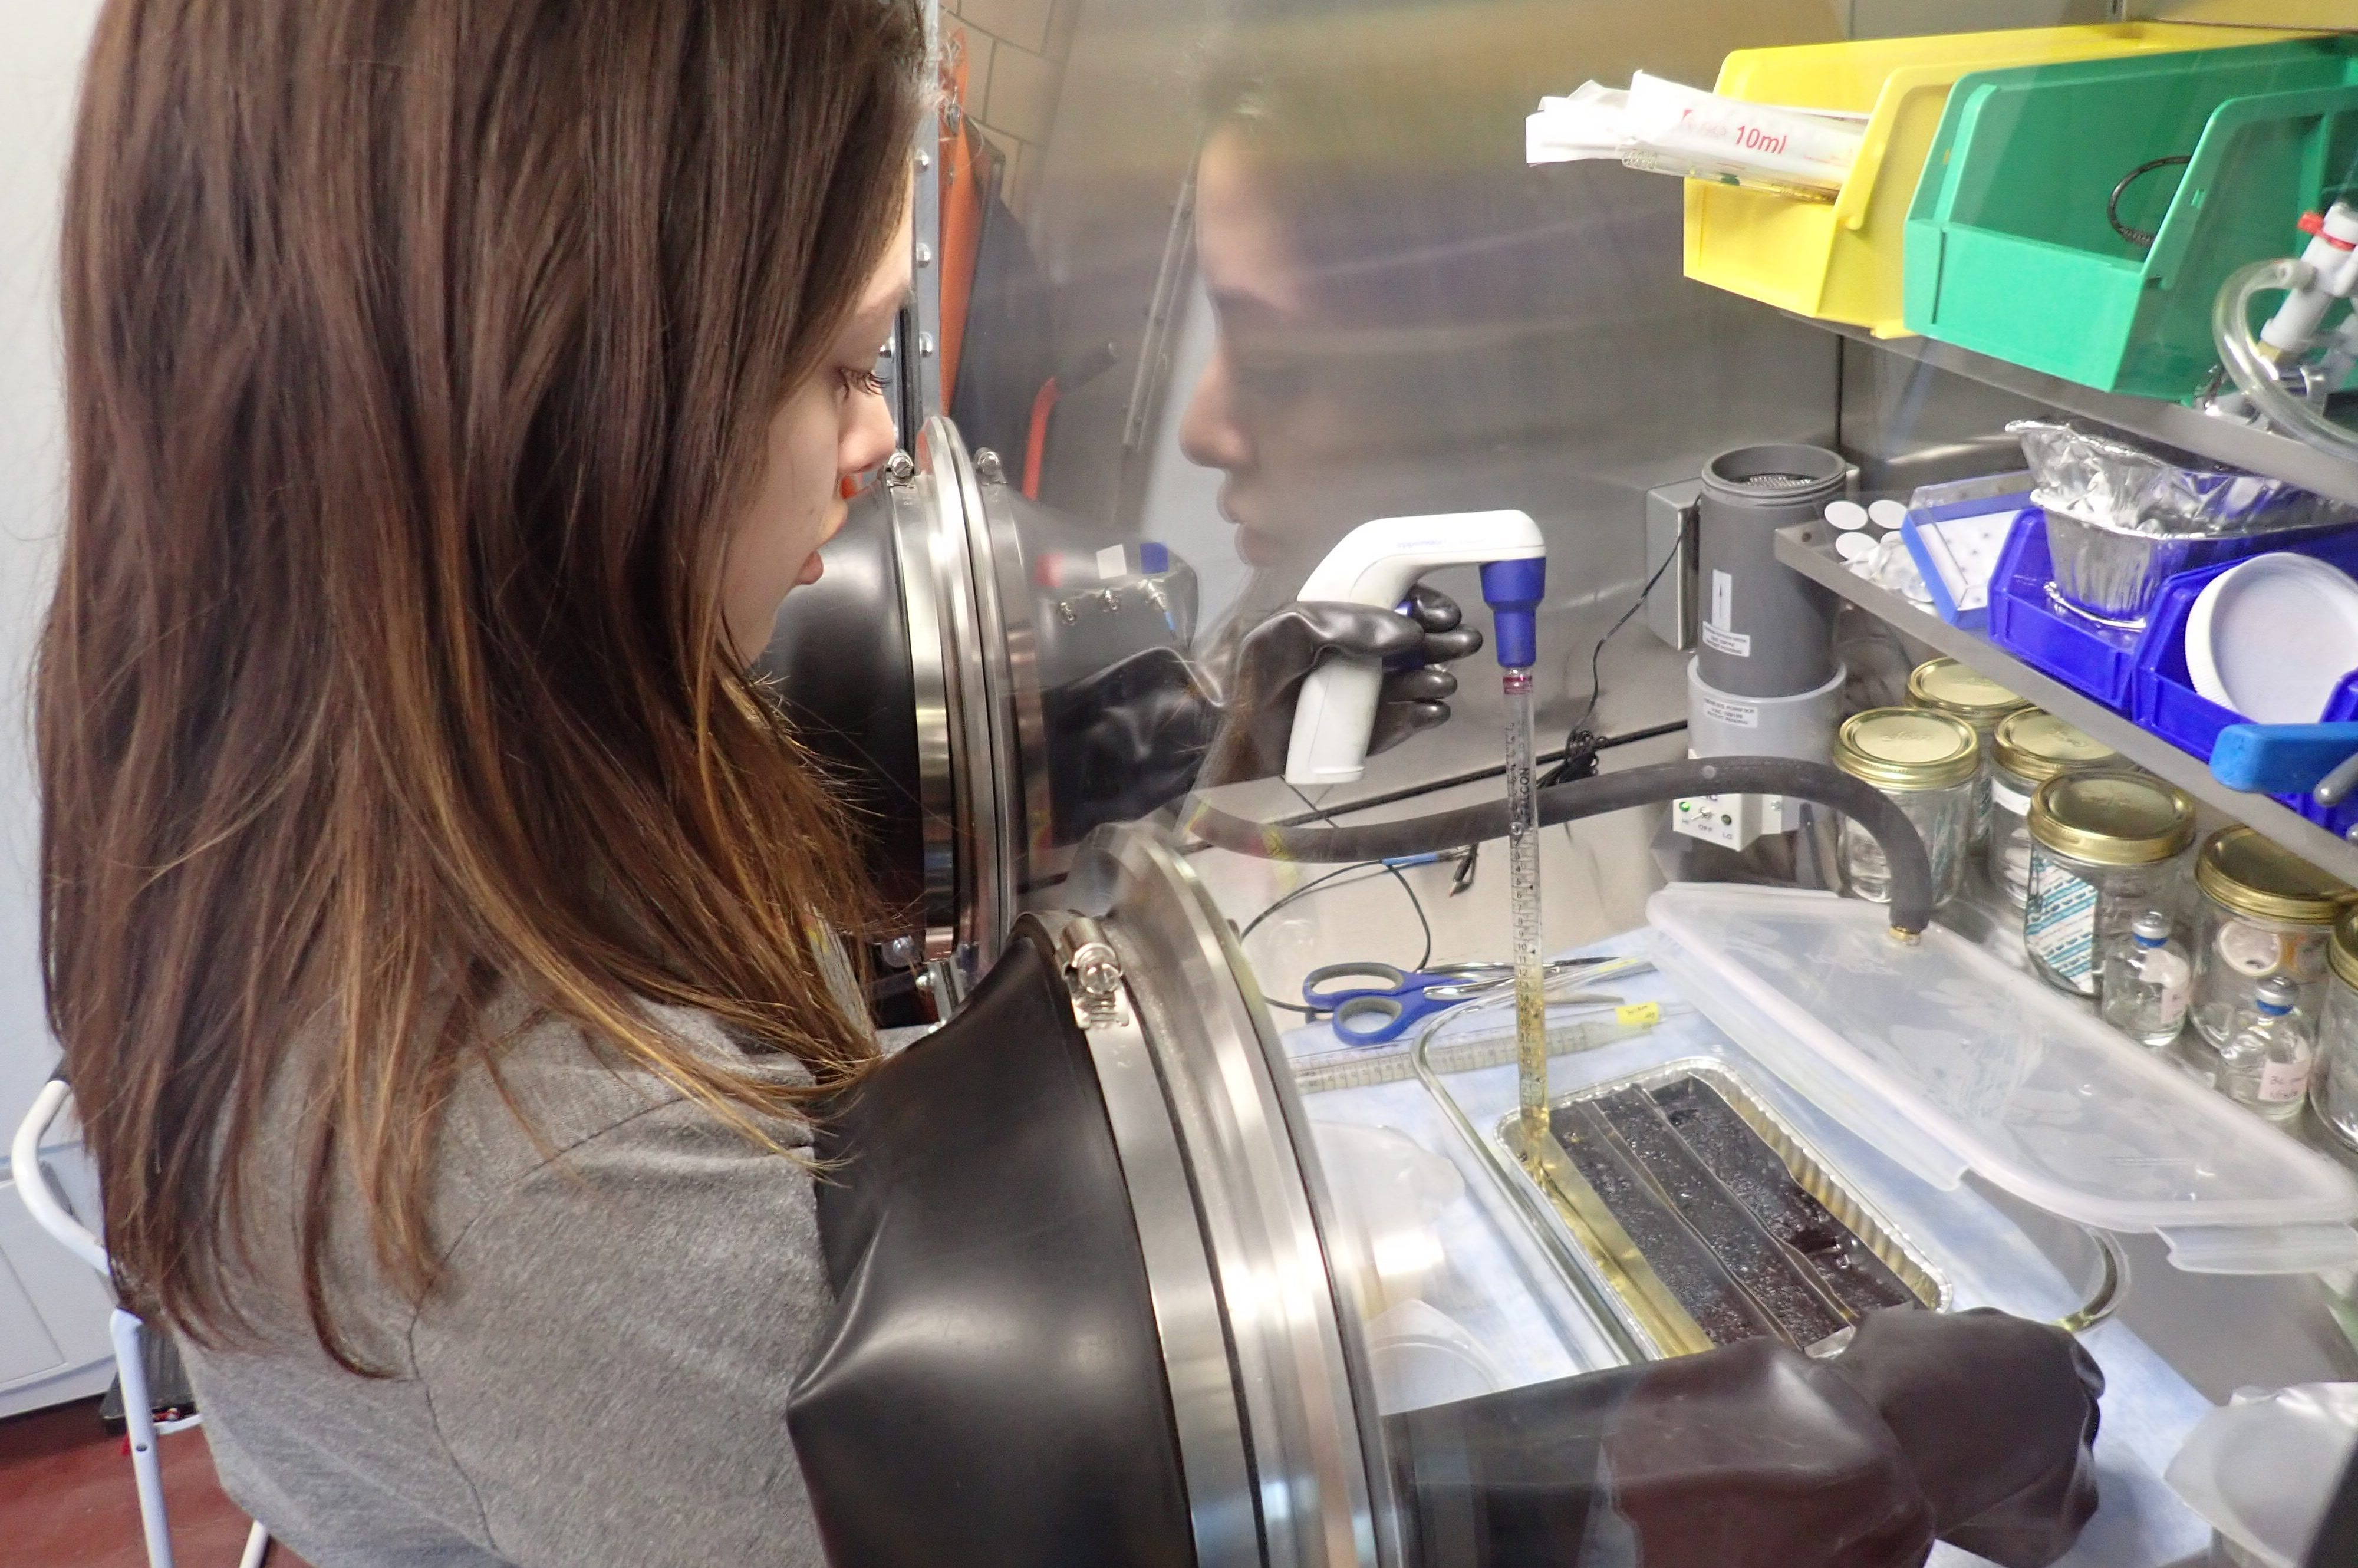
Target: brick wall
(1016, 52)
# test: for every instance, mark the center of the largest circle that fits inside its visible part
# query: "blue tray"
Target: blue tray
(2089, 657)
(2164, 699)
(1912, 529)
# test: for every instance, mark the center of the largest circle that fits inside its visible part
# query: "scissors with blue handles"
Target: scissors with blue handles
(1380, 1013)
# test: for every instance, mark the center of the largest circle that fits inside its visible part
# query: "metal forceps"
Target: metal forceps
(1380, 1013)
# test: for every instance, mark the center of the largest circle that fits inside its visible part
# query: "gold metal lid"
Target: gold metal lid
(2111, 816)
(1945, 686)
(1908, 749)
(2343, 953)
(2035, 745)
(2255, 876)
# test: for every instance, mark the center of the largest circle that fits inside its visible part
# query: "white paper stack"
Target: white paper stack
(1669, 128)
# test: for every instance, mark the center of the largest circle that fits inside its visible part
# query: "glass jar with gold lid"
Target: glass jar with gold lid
(2030, 747)
(1944, 686)
(1927, 763)
(2334, 1090)
(2106, 845)
(2262, 910)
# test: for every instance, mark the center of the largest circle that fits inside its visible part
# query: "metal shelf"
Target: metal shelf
(2172, 424)
(1807, 548)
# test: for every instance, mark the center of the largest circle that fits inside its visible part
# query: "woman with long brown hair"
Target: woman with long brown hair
(435, 916)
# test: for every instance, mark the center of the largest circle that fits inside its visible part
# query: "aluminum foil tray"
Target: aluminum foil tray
(1707, 1219)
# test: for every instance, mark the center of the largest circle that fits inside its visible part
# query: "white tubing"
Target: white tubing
(2231, 331)
(257, 1547)
(33, 1187)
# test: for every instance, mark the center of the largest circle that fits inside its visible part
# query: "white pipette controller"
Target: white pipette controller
(1377, 563)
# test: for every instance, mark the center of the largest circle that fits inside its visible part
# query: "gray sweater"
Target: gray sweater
(602, 1379)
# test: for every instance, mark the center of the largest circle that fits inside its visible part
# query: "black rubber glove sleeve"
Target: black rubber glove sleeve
(1750, 1456)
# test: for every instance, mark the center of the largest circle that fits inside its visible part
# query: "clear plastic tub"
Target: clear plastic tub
(1986, 1259)
(1948, 1061)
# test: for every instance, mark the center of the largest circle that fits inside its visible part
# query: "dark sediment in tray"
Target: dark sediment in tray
(1699, 1281)
(1779, 1280)
(1733, 1235)
(1846, 1265)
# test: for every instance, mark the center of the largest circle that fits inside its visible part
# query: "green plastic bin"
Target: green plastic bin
(2009, 251)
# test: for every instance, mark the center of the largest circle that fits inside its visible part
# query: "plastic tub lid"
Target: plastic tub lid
(1949, 1061)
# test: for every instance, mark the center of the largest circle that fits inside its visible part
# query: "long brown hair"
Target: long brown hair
(418, 359)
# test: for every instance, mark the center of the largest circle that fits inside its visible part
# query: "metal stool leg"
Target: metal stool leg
(139, 1420)
(130, 1334)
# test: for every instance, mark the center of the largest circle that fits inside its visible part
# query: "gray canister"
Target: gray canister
(1801, 726)
(1767, 631)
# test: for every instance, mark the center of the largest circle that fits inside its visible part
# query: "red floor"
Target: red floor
(67, 1499)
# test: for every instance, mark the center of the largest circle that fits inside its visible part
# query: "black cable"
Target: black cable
(1316, 884)
(1581, 744)
(1415, 903)
(1475, 775)
(1596, 655)
(1578, 759)
(1305, 889)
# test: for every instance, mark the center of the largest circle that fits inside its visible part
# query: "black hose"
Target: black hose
(1903, 848)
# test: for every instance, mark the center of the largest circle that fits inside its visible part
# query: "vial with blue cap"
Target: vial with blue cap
(2265, 1065)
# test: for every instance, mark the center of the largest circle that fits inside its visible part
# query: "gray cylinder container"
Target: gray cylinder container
(1767, 631)
(1800, 727)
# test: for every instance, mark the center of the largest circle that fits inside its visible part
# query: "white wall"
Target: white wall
(40, 63)
(53, 1341)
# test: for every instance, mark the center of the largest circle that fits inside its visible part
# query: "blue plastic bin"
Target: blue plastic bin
(2164, 702)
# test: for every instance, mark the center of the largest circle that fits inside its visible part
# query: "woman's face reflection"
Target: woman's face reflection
(1256, 414)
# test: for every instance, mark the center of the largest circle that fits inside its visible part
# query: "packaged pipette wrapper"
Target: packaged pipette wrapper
(1669, 128)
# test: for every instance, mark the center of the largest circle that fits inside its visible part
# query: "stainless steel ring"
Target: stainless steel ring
(1187, 1317)
(983, 910)
(914, 513)
(1320, 1483)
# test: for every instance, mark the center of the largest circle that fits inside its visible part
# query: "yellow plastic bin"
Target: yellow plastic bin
(1840, 260)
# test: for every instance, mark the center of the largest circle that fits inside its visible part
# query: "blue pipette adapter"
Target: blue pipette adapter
(1513, 590)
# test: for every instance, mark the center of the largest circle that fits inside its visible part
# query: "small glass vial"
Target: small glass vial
(2106, 845)
(2149, 983)
(2030, 748)
(2334, 1090)
(1944, 686)
(1926, 764)
(2266, 1067)
(2263, 911)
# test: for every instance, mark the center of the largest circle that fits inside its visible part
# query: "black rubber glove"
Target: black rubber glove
(1278, 655)
(1998, 1416)
(1138, 734)
(1750, 1456)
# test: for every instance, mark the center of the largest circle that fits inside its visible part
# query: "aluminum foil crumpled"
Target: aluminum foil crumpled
(2158, 493)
